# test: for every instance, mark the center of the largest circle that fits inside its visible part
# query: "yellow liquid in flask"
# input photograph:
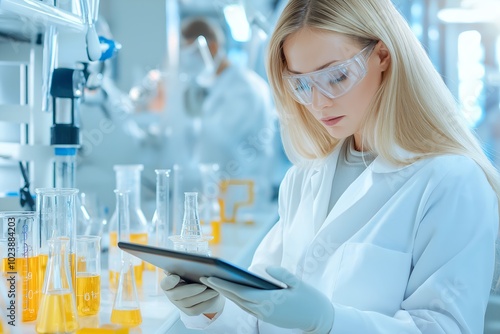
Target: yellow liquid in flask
(57, 315)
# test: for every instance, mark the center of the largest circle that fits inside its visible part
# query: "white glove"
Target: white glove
(298, 306)
(193, 298)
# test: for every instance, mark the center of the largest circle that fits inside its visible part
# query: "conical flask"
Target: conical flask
(191, 239)
(128, 178)
(126, 310)
(57, 312)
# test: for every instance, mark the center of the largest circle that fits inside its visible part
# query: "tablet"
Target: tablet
(193, 266)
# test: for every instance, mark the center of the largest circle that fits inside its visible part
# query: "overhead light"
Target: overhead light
(237, 21)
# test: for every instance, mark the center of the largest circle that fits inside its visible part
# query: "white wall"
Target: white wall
(140, 27)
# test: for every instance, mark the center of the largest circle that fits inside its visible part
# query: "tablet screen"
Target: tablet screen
(193, 266)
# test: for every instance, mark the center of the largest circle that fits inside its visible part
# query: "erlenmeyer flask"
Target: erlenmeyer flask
(57, 312)
(126, 310)
(191, 239)
(128, 178)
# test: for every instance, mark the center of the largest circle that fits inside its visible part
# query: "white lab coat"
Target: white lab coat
(404, 250)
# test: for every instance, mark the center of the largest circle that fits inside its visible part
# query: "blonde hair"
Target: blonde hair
(413, 108)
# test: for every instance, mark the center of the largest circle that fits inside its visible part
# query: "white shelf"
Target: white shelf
(42, 14)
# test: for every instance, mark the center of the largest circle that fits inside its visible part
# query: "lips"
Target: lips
(330, 121)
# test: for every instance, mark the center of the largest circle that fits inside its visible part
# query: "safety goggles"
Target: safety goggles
(333, 81)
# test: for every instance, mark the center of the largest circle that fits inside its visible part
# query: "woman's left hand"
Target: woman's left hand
(297, 306)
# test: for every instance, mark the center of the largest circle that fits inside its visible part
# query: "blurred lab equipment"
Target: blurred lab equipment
(234, 195)
(56, 210)
(95, 214)
(89, 15)
(128, 178)
(191, 239)
(66, 91)
(126, 310)
(88, 275)
(210, 213)
(57, 312)
(161, 219)
(20, 261)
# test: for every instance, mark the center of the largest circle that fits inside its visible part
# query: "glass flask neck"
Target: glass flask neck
(129, 178)
(191, 228)
(123, 215)
(162, 194)
(58, 274)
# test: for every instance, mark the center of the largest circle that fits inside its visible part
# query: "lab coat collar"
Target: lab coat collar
(379, 165)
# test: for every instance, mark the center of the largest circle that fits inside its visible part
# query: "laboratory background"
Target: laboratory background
(108, 107)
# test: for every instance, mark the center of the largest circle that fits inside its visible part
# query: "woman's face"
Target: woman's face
(309, 50)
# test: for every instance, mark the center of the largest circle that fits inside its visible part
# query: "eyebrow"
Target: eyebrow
(317, 69)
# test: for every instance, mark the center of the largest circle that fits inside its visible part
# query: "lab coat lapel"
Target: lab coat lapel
(359, 187)
(356, 190)
(321, 186)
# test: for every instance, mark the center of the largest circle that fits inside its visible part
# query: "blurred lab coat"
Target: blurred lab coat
(237, 129)
(404, 250)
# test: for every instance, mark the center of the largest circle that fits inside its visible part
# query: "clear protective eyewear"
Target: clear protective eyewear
(333, 81)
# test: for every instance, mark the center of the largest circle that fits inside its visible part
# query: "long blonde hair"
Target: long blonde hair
(413, 108)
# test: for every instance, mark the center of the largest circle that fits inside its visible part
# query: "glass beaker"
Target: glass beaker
(128, 178)
(57, 312)
(88, 274)
(56, 209)
(20, 259)
(191, 239)
(126, 310)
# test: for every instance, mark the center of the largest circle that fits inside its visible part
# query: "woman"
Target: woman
(389, 217)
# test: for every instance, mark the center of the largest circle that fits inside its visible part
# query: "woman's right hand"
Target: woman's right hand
(192, 298)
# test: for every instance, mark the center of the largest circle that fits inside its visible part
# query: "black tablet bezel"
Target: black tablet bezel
(226, 270)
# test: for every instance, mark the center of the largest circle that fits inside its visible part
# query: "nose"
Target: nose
(319, 100)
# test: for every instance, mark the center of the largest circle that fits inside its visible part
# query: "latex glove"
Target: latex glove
(298, 306)
(191, 298)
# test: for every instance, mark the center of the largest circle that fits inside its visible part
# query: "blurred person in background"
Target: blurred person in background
(231, 106)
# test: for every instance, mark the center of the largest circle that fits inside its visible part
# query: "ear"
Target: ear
(383, 56)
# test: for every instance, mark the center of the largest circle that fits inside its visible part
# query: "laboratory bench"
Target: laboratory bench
(159, 316)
